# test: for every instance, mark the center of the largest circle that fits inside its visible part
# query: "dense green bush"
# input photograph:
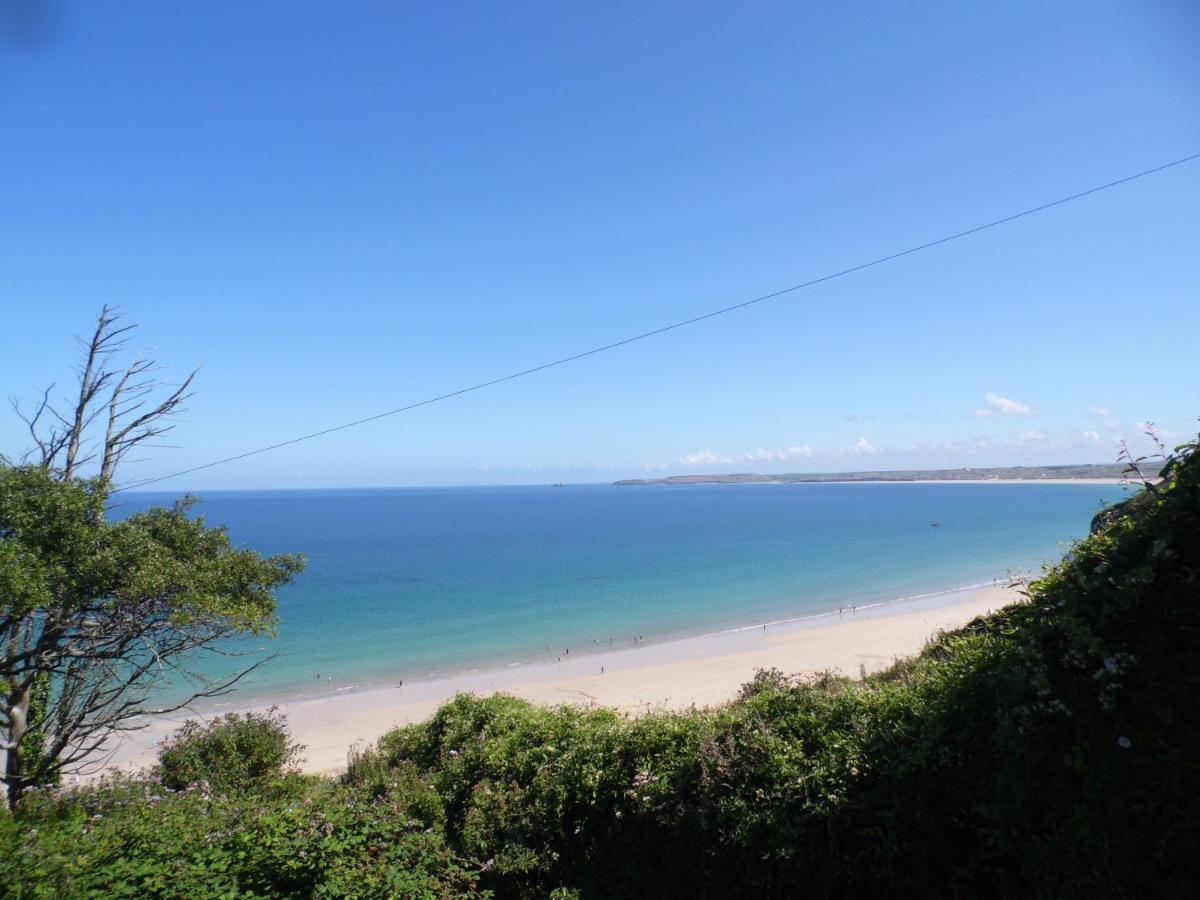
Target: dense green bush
(1049, 750)
(232, 752)
(297, 837)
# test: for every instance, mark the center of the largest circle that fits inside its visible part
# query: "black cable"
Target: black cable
(657, 331)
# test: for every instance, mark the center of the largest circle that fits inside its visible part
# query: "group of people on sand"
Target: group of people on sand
(399, 684)
(637, 642)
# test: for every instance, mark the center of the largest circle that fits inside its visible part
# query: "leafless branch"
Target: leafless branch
(125, 399)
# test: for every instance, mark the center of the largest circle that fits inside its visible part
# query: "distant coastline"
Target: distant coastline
(1102, 473)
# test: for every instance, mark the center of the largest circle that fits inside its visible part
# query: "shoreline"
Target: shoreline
(260, 698)
(699, 671)
(1080, 481)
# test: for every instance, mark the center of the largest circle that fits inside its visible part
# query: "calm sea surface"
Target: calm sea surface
(412, 582)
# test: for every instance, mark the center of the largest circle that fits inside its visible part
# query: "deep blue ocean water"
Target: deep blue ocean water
(412, 582)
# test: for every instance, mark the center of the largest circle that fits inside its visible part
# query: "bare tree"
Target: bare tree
(133, 416)
(107, 612)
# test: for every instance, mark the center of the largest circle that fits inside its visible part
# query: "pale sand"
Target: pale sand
(700, 671)
(1135, 483)
(1124, 481)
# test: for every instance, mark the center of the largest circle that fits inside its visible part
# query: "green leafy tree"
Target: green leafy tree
(96, 615)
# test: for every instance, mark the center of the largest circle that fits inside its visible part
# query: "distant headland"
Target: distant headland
(1103, 472)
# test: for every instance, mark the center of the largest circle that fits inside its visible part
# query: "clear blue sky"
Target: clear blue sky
(339, 209)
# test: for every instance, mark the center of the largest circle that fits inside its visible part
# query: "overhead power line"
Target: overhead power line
(672, 327)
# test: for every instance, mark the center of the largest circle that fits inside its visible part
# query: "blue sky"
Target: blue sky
(340, 210)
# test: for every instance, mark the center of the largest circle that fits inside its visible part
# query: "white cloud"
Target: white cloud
(761, 455)
(1029, 437)
(970, 445)
(974, 444)
(1004, 406)
(703, 458)
(1092, 437)
(1103, 412)
(709, 457)
(862, 445)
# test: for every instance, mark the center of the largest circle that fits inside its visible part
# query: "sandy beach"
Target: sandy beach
(1001, 481)
(700, 671)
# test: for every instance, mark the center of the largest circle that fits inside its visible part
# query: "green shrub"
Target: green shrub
(297, 837)
(232, 752)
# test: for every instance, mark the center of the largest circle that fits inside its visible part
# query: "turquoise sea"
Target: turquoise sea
(411, 583)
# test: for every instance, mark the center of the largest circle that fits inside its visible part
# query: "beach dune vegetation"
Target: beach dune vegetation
(231, 752)
(1046, 750)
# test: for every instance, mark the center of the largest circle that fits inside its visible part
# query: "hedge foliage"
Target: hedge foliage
(229, 753)
(1049, 750)
(295, 837)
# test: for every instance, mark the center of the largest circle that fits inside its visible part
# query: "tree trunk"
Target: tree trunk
(18, 725)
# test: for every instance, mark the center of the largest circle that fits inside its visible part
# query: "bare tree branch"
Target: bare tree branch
(128, 397)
